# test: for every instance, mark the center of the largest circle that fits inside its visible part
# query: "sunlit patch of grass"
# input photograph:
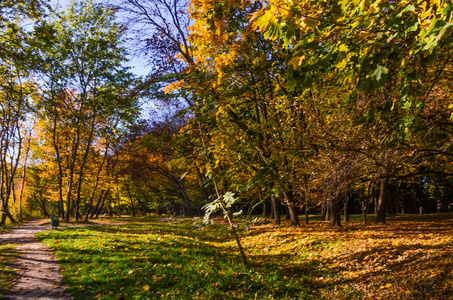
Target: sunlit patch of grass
(172, 260)
(102, 221)
(7, 256)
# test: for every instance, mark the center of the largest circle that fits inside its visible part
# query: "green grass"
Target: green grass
(150, 261)
(4, 228)
(407, 259)
(7, 256)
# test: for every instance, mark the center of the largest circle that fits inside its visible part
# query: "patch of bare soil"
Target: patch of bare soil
(39, 276)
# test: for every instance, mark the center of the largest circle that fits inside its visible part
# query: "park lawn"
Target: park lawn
(7, 256)
(410, 258)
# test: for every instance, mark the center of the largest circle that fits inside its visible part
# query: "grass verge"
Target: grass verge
(7, 256)
(406, 259)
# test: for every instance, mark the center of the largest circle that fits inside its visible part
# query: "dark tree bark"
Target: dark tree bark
(382, 202)
(335, 209)
(294, 218)
(276, 210)
(266, 208)
(131, 199)
(100, 203)
(326, 205)
(346, 207)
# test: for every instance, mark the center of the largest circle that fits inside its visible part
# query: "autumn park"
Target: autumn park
(226, 149)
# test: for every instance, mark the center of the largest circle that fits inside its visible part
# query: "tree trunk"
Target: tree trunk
(206, 193)
(131, 199)
(60, 168)
(375, 201)
(98, 206)
(328, 210)
(294, 218)
(266, 208)
(22, 185)
(82, 167)
(287, 213)
(7, 214)
(307, 218)
(276, 210)
(346, 209)
(383, 200)
(335, 209)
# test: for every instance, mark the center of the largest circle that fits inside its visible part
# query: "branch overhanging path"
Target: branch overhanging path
(39, 276)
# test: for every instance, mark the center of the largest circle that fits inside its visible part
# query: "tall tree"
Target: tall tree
(15, 90)
(86, 86)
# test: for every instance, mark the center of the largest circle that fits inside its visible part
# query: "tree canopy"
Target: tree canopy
(286, 107)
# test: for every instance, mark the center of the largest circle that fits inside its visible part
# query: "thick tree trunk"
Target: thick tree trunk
(6, 214)
(335, 209)
(276, 210)
(294, 218)
(383, 201)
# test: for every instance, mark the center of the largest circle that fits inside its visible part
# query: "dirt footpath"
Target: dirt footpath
(39, 276)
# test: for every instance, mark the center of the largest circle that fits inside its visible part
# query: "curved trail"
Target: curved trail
(39, 276)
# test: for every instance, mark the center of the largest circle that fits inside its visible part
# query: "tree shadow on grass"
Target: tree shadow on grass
(7, 274)
(132, 260)
(402, 272)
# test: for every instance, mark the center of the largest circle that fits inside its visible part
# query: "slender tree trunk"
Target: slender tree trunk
(307, 217)
(131, 199)
(98, 203)
(99, 209)
(206, 193)
(266, 208)
(375, 201)
(98, 176)
(346, 208)
(90, 204)
(55, 143)
(7, 172)
(383, 201)
(276, 210)
(22, 185)
(82, 167)
(328, 210)
(71, 174)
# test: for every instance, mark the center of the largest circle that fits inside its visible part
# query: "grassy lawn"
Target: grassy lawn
(410, 258)
(7, 256)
